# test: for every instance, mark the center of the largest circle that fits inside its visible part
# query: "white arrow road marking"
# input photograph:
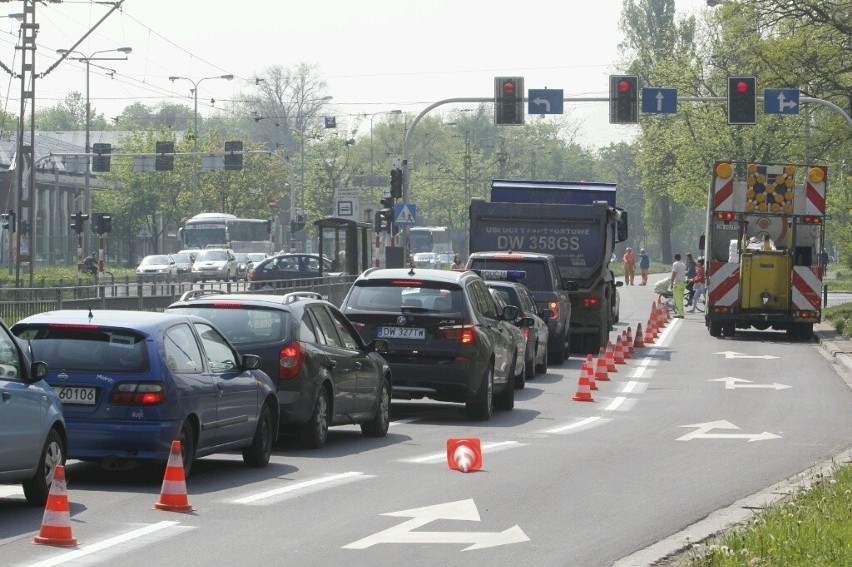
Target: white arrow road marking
(702, 429)
(732, 354)
(461, 510)
(732, 383)
(544, 101)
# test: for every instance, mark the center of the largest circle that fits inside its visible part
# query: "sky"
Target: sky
(375, 55)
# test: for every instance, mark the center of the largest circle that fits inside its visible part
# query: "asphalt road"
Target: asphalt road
(687, 427)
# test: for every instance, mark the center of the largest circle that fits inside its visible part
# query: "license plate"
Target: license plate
(722, 225)
(402, 333)
(76, 395)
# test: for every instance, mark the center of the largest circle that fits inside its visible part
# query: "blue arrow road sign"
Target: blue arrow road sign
(405, 215)
(659, 101)
(544, 101)
(781, 101)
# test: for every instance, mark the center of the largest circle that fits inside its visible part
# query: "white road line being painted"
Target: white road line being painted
(6, 491)
(106, 544)
(486, 447)
(332, 480)
(578, 425)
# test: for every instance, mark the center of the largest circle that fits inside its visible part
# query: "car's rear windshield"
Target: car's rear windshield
(86, 348)
(537, 274)
(213, 255)
(244, 324)
(393, 295)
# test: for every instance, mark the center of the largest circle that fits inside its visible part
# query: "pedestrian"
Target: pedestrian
(644, 266)
(691, 269)
(629, 266)
(90, 264)
(823, 258)
(698, 286)
(678, 284)
(457, 263)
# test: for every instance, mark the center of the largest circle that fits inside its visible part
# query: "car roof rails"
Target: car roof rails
(196, 293)
(295, 296)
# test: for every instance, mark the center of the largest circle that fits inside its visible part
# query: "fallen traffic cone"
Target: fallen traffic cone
(464, 455)
(586, 370)
(584, 391)
(618, 353)
(56, 524)
(173, 497)
(600, 367)
(610, 357)
(638, 342)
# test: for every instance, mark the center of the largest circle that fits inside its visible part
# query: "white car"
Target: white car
(157, 267)
(215, 264)
(428, 260)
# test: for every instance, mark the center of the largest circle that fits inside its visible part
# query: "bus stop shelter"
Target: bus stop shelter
(346, 242)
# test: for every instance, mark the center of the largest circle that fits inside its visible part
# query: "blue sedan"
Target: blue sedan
(132, 382)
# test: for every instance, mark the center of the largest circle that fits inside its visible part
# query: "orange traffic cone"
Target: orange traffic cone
(173, 497)
(586, 370)
(584, 390)
(629, 342)
(610, 357)
(464, 455)
(601, 367)
(56, 524)
(649, 334)
(626, 344)
(618, 353)
(639, 341)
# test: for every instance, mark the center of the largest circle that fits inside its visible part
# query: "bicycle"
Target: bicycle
(668, 299)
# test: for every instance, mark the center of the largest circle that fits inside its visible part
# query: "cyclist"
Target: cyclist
(698, 284)
(90, 264)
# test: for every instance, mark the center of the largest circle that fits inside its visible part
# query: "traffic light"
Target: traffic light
(106, 223)
(298, 223)
(396, 183)
(508, 100)
(233, 161)
(386, 222)
(100, 161)
(8, 220)
(97, 218)
(387, 201)
(623, 99)
(742, 100)
(78, 219)
(269, 225)
(165, 162)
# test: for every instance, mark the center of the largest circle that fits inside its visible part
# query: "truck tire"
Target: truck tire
(715, 328)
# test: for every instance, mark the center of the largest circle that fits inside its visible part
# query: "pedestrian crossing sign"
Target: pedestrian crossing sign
(405, 214)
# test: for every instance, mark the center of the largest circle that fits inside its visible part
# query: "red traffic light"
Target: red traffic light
(623, 86)
(742, 87)
(509, 88)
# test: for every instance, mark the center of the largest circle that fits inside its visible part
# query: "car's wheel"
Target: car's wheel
(187, 447)
(529, 371)
(482, 407)
(505, 400)
(557, 354)
(258, 453)
(314, 433)
(37, 488)
(542, 368)
(378, 425)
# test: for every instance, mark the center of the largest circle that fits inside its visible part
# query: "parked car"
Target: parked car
(157, 267)
(446, 338)
(535, 329)
(325, 374)
(428, 260)
(131, 382)
(32, 428)
(545, 283)
(183, 262)
(277, 271)
(215, 264)
(520, 377)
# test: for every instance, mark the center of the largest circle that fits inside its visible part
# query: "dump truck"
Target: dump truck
(576, 222)
(762, 244)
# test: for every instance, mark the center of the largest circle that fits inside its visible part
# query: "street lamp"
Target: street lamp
(194, 92)
(373, 115)
(87, 59)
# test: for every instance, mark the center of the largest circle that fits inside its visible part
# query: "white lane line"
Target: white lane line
(634, 387)
(107, 543)
(303, 486)
(577, 425)
(486, 447)
(6, 491)
(613, 405)
(643, 366)
(404, 421)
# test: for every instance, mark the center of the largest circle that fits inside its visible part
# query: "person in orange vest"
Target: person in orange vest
(629, 266)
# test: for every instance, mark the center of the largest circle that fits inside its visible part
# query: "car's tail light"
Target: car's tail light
(554, 306)
(465, 334)
(138, 394)
(290, 360)
(589, 302)
(526, 332)
(358, 326)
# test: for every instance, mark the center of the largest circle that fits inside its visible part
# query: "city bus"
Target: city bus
(430, 239)
(223, 229)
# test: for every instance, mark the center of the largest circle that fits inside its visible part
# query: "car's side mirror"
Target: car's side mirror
(251, 362)
(527, 322)
(510, 313)
(380, 346)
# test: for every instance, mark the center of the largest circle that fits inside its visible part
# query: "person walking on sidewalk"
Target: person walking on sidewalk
(678, 284)
(629, 266)
(644, 266)
(698, 285)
